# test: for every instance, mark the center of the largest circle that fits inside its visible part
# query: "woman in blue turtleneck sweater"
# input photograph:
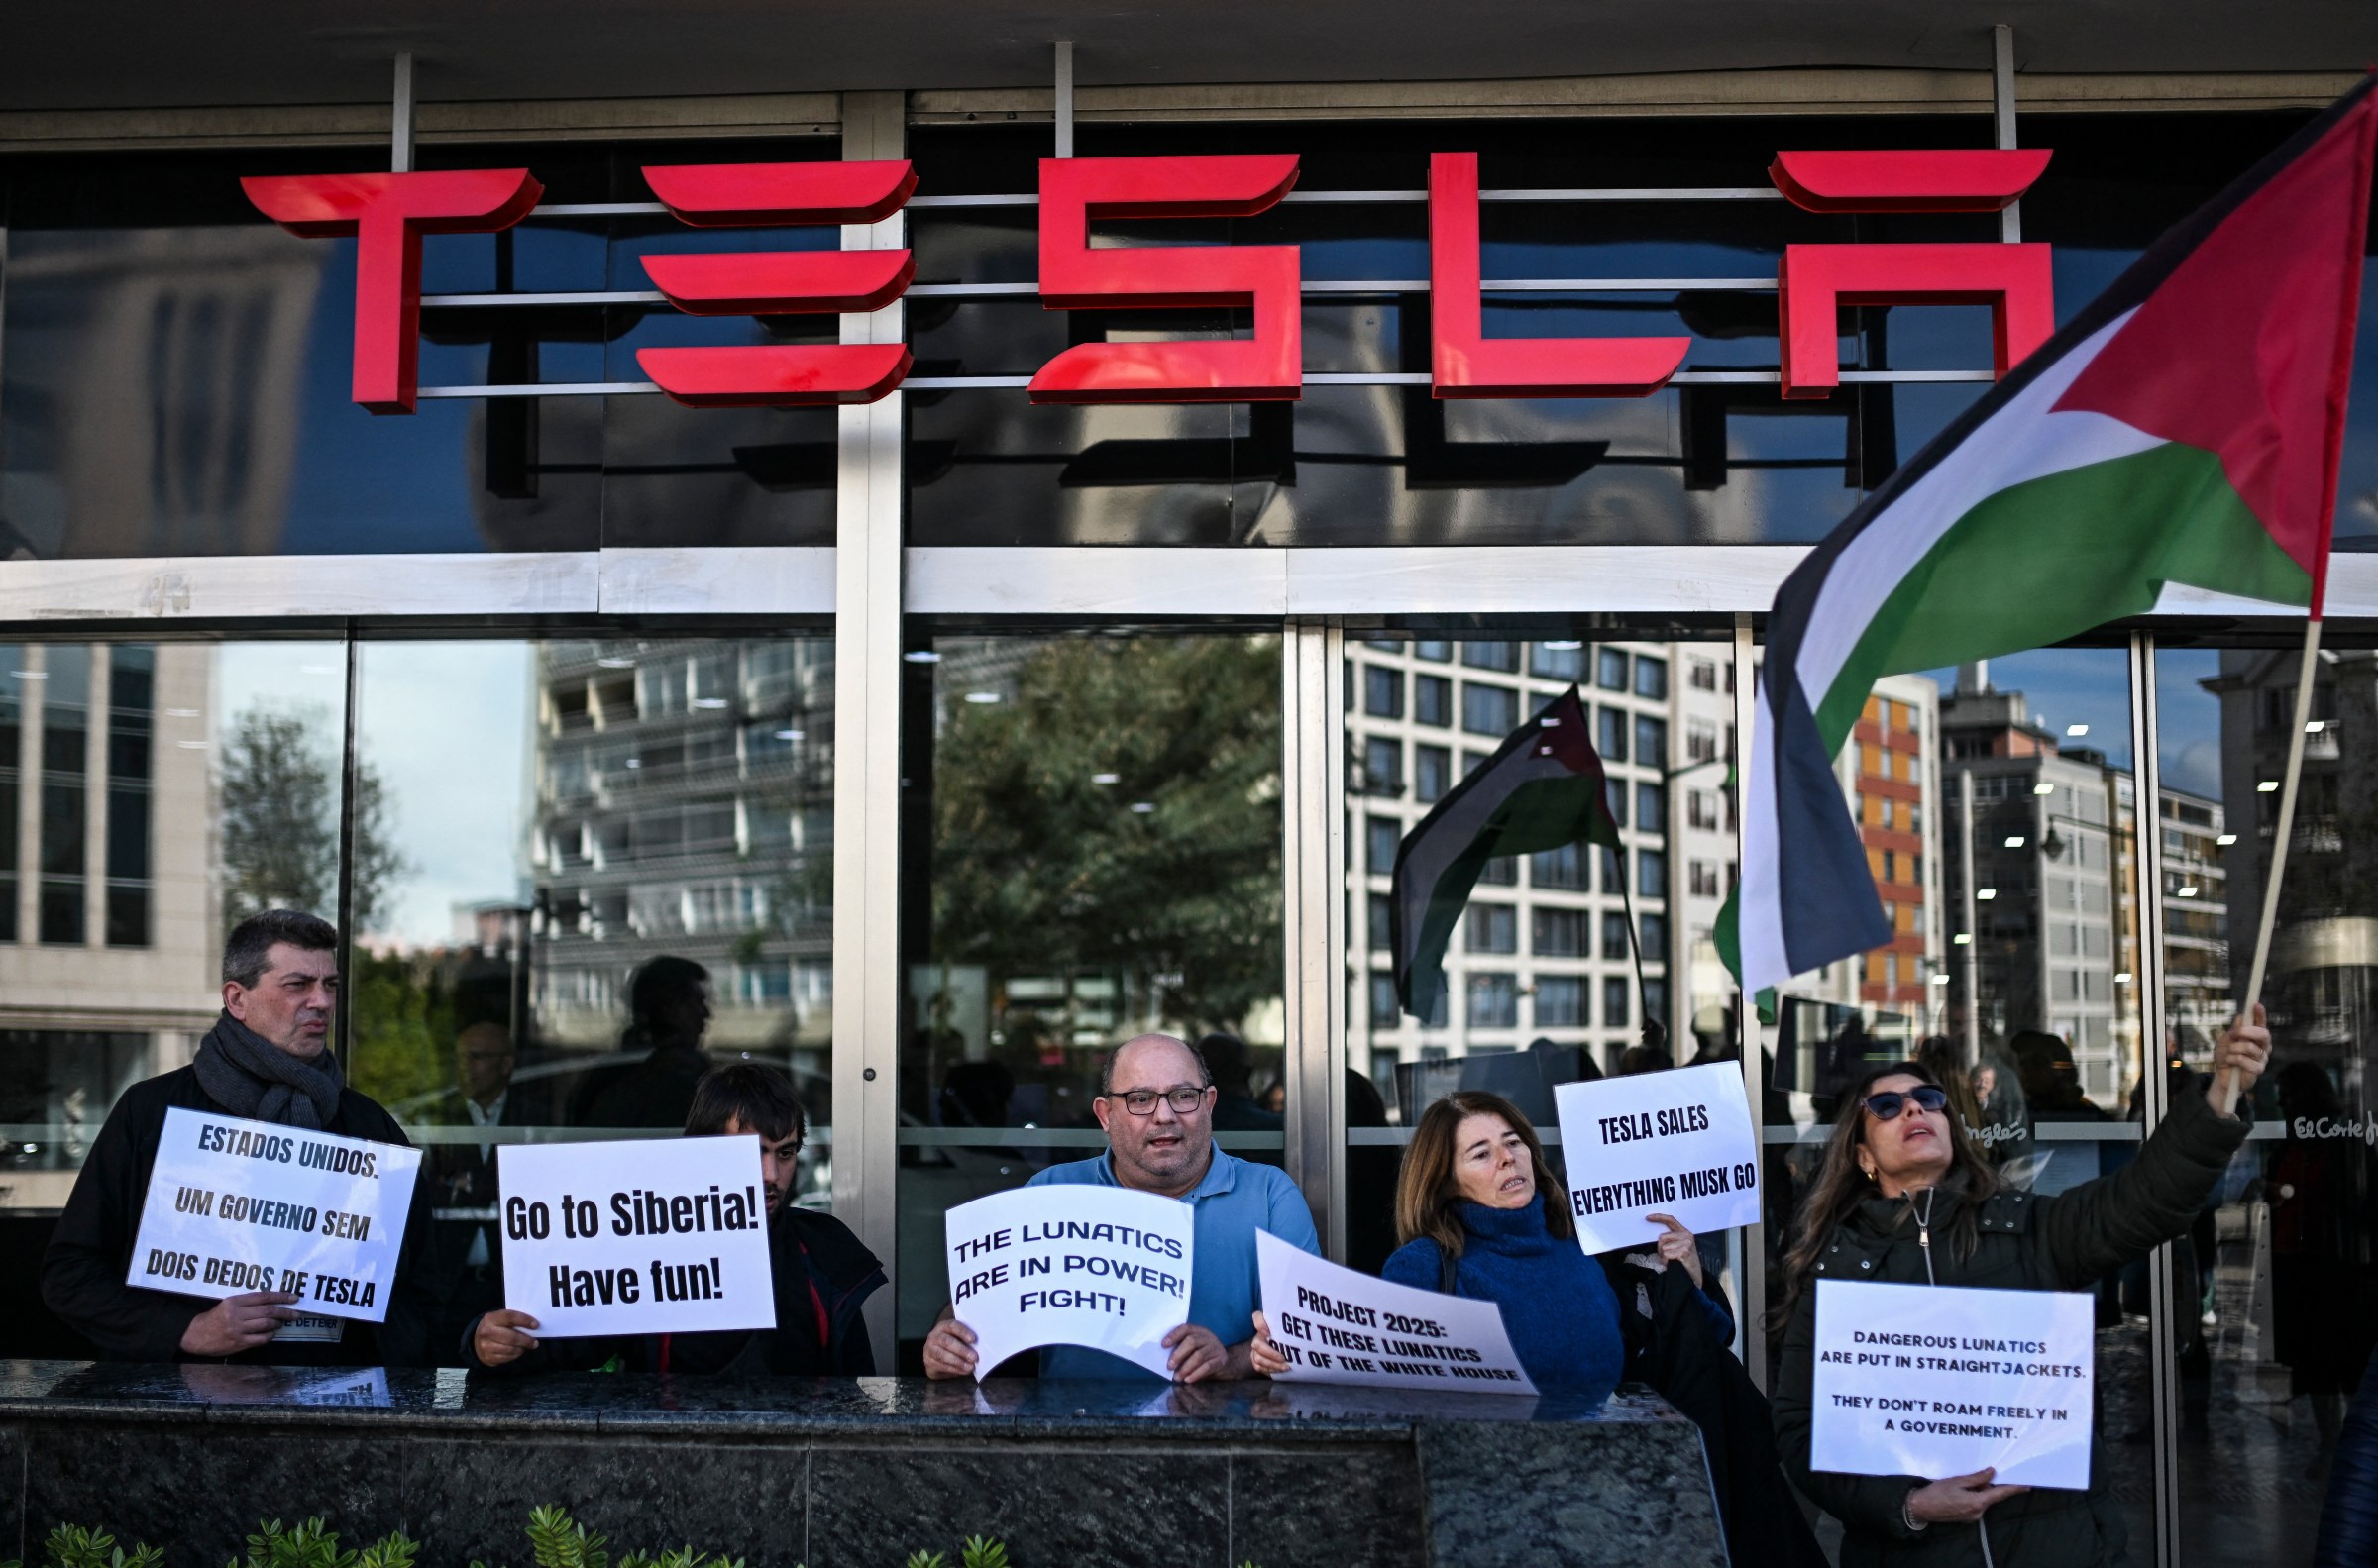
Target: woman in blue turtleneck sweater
(1473, 1187)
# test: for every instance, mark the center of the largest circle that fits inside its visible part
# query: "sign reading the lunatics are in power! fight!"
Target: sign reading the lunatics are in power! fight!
(1676, 1143)
(642, 1236)
(1937, 1380)
(1335, 1325)
(1069, 1264)
(237, 1206)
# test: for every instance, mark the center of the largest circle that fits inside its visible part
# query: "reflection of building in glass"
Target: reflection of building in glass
(2040, 840)
(1891, 773)
(2196, 922)
(1543, 949)
(211, 325)
(2323, 989)
(108, 892)
(685, 805)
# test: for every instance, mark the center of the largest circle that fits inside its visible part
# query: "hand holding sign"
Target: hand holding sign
(1671, 1148)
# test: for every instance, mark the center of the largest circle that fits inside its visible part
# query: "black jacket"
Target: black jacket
(2064, 1242)
(1671, 1347)
(91, 1252)
(822, 1275)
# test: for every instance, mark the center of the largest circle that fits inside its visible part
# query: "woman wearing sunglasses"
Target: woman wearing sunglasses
(1905, 1196)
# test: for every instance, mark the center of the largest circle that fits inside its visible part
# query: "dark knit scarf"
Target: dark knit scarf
(249, 1076)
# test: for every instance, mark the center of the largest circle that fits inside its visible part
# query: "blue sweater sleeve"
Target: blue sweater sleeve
(1721, 1321)
(1416, 1264)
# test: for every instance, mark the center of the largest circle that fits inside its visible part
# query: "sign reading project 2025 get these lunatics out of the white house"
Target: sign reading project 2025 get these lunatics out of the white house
(237, 1206)
(1335, 1325)
(639, 1237)
(1677, 1143)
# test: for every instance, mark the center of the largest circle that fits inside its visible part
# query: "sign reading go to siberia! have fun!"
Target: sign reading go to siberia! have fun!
(1676, 1143)
(1070, 1264)
(1938, 1381)
(236, 1206)
(642, 1236)
(1335, 1325)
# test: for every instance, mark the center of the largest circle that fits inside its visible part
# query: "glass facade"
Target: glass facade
(578, 855)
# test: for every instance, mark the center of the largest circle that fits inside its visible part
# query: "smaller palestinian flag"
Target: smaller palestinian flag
(2184, 427)
(1543, 788)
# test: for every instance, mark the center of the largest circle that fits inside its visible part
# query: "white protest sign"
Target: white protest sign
(1069, 1264)
(1937, 1380)
(1676, 1143)
(1335, 1325)
(237, 1206)
(644, 1236)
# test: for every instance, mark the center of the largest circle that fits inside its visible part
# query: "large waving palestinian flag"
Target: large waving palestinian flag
(1542, 788)
(2184, 428)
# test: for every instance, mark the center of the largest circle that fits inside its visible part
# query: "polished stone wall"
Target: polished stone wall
(851, 1473)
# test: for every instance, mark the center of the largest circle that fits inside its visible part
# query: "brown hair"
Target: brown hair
(1841, 1185)
(1426, 1194)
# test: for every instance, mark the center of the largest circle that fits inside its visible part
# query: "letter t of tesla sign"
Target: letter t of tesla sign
(389, 214)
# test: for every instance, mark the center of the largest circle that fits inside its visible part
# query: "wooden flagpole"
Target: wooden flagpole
(2225, 1086)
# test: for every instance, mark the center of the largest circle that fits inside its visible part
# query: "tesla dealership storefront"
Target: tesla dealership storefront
(974, 660)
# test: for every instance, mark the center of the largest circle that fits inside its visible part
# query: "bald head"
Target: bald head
(1163, 1056)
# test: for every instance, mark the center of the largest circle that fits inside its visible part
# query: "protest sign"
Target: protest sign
(1335, 1325)
(1936, 1381)
(236, 1206)
(645, 1236)
(1071, 1265)
(1676, 1143)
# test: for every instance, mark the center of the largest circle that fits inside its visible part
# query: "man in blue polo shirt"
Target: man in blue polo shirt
(1155, 1101)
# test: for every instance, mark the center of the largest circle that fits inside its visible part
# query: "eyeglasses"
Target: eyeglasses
(1888, 1103)
(1142, 1101)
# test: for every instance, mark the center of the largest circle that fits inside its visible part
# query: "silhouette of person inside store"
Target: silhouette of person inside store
(668, 1011)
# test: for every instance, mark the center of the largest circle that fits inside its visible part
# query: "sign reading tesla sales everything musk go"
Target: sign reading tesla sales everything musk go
(237, 1206)
(642, 1236)
(1676, 1143)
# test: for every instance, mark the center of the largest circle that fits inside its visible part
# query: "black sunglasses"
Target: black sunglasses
(1888, 1104)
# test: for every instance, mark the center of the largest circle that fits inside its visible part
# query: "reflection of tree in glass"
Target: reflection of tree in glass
(281, 821)
(1038, 868)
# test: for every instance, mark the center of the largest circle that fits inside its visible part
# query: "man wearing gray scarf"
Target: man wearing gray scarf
(267, 1059)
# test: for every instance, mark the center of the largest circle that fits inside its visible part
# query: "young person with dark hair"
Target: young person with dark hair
(267, 1059)
(823, 1274)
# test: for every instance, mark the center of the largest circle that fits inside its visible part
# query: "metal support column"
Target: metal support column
(2001, 107)
(2147, 975)
(1751, 1311)
(1313, 858)
(400, 126)
(867, 609)
(1064, 104)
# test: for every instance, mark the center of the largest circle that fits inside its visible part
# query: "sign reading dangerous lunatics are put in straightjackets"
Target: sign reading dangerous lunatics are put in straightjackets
(1939, 1381)
(237, 1206)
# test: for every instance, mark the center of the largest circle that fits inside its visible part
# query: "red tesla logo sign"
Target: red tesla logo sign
(390, 213)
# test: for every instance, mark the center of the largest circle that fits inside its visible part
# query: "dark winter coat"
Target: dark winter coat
(91, 1252)
(2064, 1242)
(822, 1275)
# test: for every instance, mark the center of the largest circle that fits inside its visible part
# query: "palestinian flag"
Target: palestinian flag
(1542, 788)
(2184, 428)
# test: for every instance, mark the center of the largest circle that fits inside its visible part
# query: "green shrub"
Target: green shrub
(556, 1540)
(313, 1544)
(71, 1546)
